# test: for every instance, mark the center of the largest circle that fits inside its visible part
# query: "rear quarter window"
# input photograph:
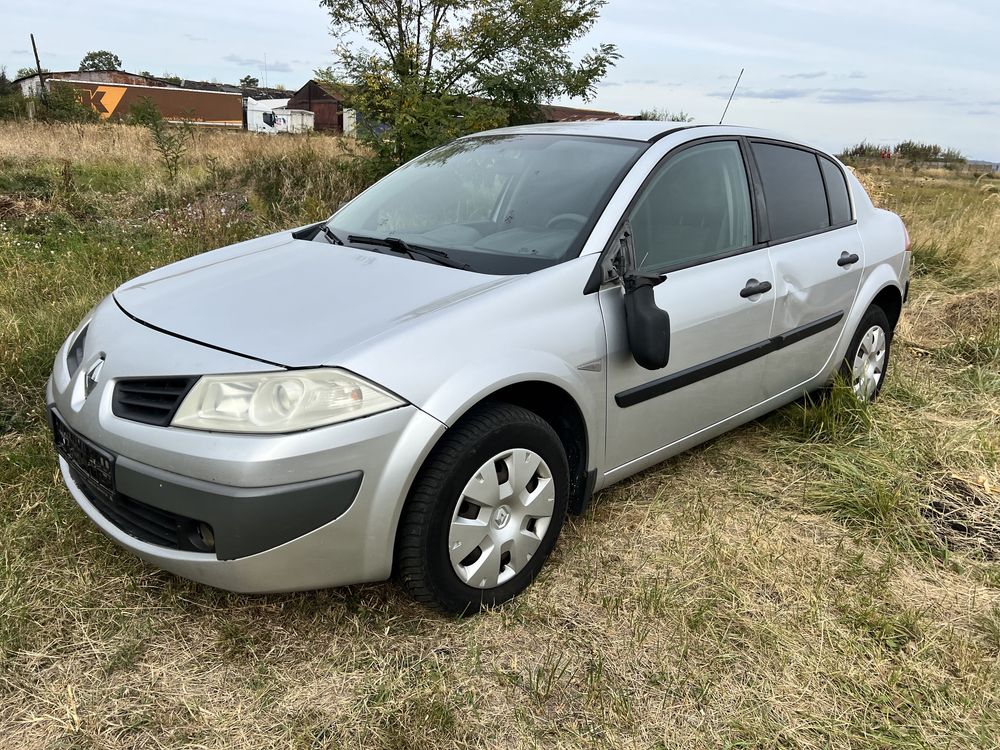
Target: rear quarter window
(793, 190)
(836, 188)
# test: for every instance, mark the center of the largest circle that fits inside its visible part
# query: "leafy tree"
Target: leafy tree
(249, 82)
(100, 60)
(25, 72)
(6, 87)
(664, 115)
(441, 68)
(172, 78)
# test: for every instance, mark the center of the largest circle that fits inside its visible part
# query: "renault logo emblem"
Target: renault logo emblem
(501, 517)
(90, 379)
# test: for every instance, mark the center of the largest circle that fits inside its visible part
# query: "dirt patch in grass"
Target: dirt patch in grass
(973, 313)
(966, 515)
(19, 207)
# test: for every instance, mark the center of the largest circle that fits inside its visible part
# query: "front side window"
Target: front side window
(697, 207)
(793, 190)
(500, 204)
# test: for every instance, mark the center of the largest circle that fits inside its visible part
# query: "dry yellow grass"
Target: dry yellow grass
(792, 584)
(89, 144)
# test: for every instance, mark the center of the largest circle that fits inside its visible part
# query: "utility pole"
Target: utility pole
(38, 66)
(265, 70)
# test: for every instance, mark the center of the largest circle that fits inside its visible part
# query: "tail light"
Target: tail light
(909, 242)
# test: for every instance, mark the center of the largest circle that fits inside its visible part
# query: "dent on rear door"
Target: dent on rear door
(814, 296)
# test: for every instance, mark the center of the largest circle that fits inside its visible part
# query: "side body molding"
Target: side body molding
(658, 387)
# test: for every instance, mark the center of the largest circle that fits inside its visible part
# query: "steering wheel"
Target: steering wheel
(579, 218)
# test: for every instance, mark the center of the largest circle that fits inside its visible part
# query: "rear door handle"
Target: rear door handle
(847, 259)
(754, 287)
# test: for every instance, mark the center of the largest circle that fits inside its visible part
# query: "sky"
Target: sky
(834, 72)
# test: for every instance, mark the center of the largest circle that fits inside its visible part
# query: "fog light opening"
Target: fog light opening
(202, 537)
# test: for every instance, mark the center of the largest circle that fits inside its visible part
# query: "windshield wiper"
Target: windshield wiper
(331, 235)
(402, 246)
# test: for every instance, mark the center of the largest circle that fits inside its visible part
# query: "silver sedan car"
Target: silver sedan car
(425, 384)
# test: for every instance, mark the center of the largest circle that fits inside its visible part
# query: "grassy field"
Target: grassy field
(826, 577)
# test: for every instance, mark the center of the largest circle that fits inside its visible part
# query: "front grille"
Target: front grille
(144, 522)
(150, 400)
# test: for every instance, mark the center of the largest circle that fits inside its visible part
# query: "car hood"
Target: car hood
(294, 303)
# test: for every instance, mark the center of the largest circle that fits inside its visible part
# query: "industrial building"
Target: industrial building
(325, 100)
(317, 105)
(111, 93)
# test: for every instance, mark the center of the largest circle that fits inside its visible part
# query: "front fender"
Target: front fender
(477, 381)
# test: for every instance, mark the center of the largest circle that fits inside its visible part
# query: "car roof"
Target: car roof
(639, 130)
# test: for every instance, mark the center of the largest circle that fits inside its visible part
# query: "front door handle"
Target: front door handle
(847, 259)
(754, 287)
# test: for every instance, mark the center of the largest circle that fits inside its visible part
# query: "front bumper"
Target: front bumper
(288, 512)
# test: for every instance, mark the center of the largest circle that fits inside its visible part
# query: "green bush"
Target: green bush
(907, 150)
(144, 112)
(864, 150)
(665, 115)
(916, 151)
(60, 104)
(171, 144)
(13, 106)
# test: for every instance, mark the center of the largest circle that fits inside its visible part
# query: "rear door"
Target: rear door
(693, 221)
(817, 257)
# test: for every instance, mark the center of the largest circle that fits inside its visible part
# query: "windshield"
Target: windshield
(498, 204)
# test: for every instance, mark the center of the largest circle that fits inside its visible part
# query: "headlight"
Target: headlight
(285, 401)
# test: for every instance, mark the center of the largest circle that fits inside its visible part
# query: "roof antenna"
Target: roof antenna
(731, 96)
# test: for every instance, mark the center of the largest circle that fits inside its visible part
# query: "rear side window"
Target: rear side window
(793, 190)
(836, 188)
(695, 208)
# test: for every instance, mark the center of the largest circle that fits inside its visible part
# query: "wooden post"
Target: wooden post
(38, 67)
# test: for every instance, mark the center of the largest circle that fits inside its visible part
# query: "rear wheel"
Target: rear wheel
(867, 360)
(485, 511)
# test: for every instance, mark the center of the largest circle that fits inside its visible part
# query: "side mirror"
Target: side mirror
(647, 326)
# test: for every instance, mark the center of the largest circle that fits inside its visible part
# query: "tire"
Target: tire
(439, 561)
(867, 361)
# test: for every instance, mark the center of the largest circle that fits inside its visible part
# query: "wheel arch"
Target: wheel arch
(890, 299)
(555, 405)
(881, 284)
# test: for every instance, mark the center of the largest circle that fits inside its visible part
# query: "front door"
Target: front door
(693, 221)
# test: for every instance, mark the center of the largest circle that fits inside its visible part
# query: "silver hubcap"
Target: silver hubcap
(501, 518)
(869, 363)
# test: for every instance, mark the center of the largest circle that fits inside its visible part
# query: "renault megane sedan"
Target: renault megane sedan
(426, 383)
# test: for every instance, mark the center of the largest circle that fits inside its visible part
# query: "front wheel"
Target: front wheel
(485, 511)
(867, 360)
